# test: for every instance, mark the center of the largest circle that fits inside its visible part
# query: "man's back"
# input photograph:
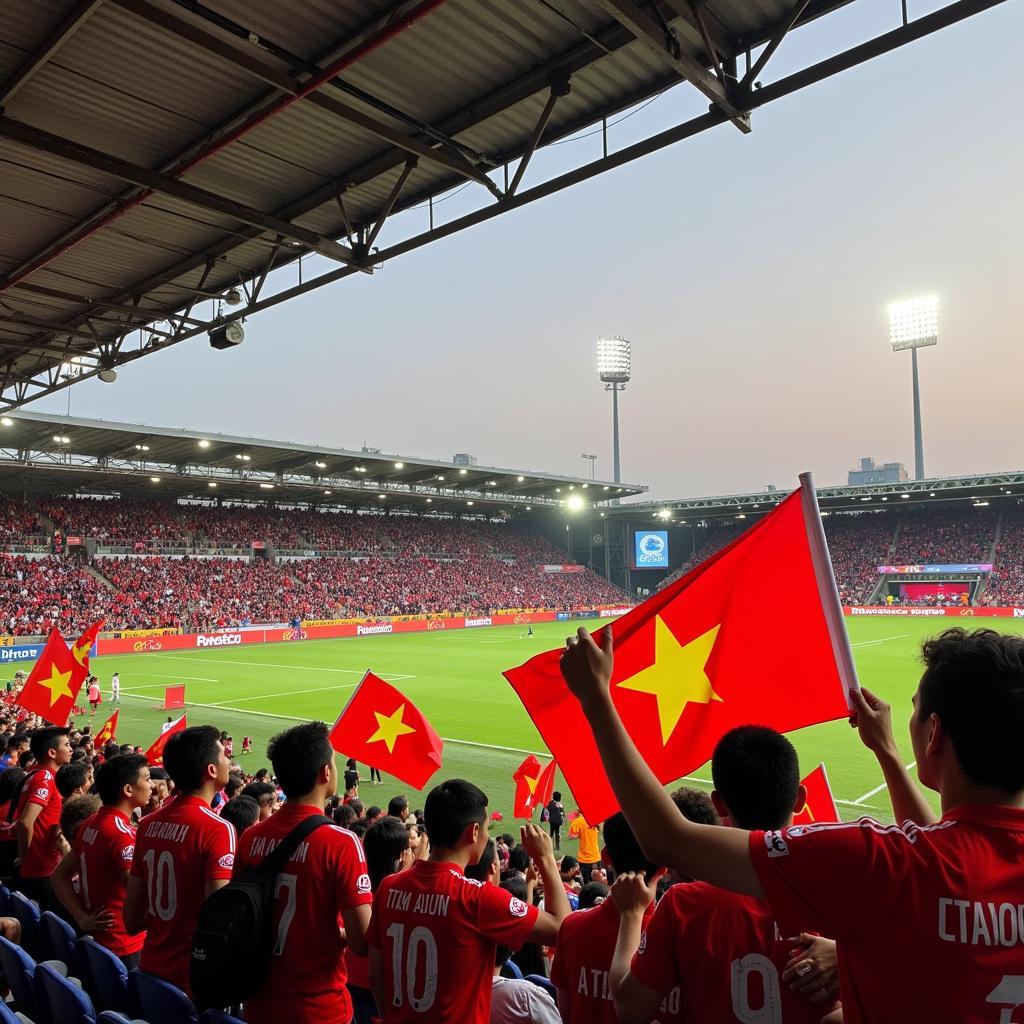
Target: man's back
(583, 956)
(437, 932)
(44, 853)
(724, 953)
(178, 850)
(104, 846)
(941, 905)
(324, 877)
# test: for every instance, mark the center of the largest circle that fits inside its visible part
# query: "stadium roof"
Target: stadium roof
(982, 489)
(158, 153)
(68, 454)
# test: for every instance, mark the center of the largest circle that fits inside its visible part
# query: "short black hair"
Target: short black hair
(243, 812)
(556, 795)
(450, 808)
(262, 791)
(75, 812)
(70, 776)
(593, 893)
(356, 804)
(383, 844)
(113, 775)
(298, 754)
(396, 805)
(10, 782)
(189, 753)
(974, 682)
(518, 859)
(344, 815)
(757, 773)
(482, 868)
(45, 740)
(623, 849)
(568, 864)
(695, 805)
(156, 772)
(14, 742)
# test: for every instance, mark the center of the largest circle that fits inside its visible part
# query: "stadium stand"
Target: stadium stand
(1005, 585)
(944, 536)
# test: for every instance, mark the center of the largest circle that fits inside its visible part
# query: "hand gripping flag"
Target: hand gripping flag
(754, 635)
(53, 684)
(155, 754)
(380, 726)
(820, 805)
(526, 777)
(107, 731)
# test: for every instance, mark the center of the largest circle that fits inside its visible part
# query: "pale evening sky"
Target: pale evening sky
(751, 273)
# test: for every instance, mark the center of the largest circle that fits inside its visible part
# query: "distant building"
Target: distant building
(870, 473)
(464, 459)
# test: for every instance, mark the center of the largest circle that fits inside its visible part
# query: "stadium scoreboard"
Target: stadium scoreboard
(650, 549)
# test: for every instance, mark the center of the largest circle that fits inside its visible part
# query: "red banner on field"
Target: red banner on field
(174, 697)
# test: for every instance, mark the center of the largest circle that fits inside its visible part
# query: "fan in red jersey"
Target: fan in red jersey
(712, 954)
(434, 932)
(323, 889)
(183, 853)
(950, 891)
(102, 858)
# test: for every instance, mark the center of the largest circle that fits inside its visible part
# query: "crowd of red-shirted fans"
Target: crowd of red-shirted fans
(682, 907)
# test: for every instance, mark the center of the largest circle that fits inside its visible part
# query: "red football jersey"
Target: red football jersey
(44, 853)
(178, 850)
(583, 956)
(324, 877)
(929, 921)
(437, 931)
(104, 847)
(726, 955)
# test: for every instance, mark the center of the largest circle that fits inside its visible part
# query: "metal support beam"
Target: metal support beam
(410, 166)
(769, 51)
(45, 142)
(20, 320)
(558, 90)
(650, 33)
(113, 307)
(68, 26)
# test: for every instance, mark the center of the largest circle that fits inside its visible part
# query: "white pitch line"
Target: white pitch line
(871, 643)
(288, 693)
(274, 664)
(878, 789)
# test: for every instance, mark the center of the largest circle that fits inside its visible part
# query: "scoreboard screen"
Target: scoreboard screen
(650, 549)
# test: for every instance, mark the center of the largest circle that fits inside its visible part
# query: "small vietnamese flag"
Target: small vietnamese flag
(545, 786)
(754, 635)
(380, 726)
(53, 684)
(820, 805)
(107, 731)
(155, 754)
(525, 777)
(83, 645)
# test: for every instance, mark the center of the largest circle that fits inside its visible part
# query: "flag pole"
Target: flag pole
(827, 589)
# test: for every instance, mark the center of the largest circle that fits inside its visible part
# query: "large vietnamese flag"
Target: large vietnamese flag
(754, 635)
(382, 727)
(53, 684)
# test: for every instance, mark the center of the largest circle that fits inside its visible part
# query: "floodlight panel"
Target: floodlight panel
(614, 356)
(914, 323)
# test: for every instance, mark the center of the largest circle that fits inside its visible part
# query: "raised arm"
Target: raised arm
(712, 853)
(872, 718)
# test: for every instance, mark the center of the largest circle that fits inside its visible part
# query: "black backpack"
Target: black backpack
(236, 927)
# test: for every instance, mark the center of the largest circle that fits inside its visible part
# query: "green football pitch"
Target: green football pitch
(455, 678)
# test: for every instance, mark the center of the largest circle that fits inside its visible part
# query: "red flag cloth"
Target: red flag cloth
(53, 683)
(526, 777)
(107, 731)
(820, 805)
(382, 727)
(545, 786)
(155, 754)
(741, 639)
(83, 645)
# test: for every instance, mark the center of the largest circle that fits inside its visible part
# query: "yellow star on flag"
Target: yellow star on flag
(532, 783)
(81, 653)
(57, 684)
(677, 675)
(390, 727)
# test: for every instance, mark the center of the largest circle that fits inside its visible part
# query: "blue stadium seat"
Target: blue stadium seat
(5, 902)
(63, 1001)
(26, 911)
(158, 1001)
(58, 940)
(8, 1016)
(19, 970)
(113, 1017)
(103, 975)
(511, 970)
(541, 982)
(218, 1017)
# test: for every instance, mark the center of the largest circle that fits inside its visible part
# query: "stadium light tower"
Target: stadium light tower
(613, 367)
(914, 324)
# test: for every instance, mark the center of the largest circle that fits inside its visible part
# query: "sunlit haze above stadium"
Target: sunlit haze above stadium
(751, 272)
